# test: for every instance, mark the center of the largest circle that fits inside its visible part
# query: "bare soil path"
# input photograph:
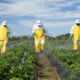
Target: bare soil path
(45, 70)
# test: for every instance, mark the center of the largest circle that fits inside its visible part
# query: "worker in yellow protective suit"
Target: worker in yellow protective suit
(3, 36)
(39, 36)
(75, 33)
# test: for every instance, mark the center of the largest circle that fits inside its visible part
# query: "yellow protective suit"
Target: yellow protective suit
(3, 38)
(39, 36)
(39, 40)
(76, 37)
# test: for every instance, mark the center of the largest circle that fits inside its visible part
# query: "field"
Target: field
(70, 59)
(58, 61)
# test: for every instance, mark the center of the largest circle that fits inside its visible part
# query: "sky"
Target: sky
(58, 16)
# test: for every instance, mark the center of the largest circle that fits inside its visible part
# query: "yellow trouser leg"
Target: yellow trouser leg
(37, 45)
(79, 46)
(1, 43)
(75, 45)
(42, 46)
(3, 48)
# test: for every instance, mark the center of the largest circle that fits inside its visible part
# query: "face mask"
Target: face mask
(5, 25)
(78, 24)
(40, 25)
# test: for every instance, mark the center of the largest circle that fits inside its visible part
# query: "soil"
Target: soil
(45, 70)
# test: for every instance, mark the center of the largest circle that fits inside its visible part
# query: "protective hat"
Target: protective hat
(38, 22)
(77, 22)
(4, 23)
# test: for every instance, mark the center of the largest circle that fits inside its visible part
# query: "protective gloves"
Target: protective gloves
(8, 32)
(33, 34)
(71, 35)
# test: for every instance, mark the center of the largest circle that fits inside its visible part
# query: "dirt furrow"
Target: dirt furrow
(45, 70)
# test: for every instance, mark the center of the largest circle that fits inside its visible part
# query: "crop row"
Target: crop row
(71, 59)
(10, 68)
